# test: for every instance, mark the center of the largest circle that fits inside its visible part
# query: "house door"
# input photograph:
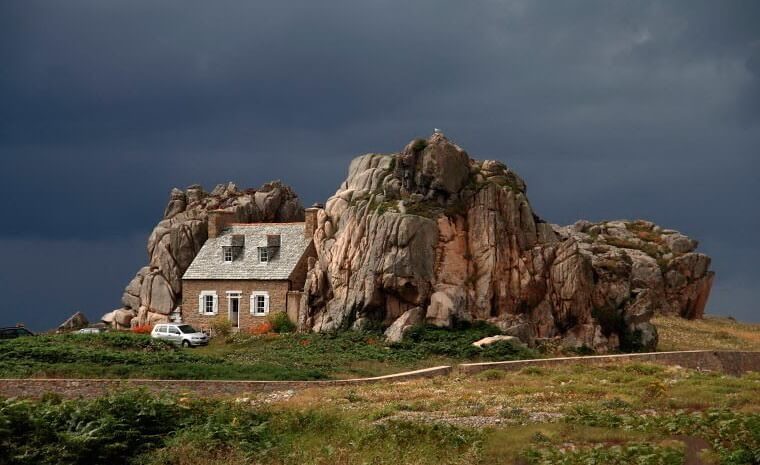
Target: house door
(235, 310)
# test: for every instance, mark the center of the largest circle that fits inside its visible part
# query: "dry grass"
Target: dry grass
(526, 409)
(520, 396)
(710, 333)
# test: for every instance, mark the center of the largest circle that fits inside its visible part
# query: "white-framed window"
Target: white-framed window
(228, 256)
(259, 303)
(263, 254)
(208, 303)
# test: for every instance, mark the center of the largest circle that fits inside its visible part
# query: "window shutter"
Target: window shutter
(200, 304)
(216, 304)
(266, 303)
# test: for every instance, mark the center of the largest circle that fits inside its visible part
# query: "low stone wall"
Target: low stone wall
(74, 388)
(734, 363)
(730, 362)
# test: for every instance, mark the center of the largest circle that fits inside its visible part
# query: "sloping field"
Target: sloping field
(711, 333)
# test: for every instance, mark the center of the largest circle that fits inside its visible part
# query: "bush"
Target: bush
(423, 341)
(281, 323)
(221, 325)
(261, 328)
(117, 428)
(104, 430)
(142, 329)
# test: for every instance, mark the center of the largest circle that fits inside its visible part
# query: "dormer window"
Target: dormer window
(263, 254)
(228, 254)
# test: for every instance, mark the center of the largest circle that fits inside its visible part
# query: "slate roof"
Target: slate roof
(210, 264)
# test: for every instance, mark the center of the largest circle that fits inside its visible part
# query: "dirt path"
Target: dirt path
(694, 446)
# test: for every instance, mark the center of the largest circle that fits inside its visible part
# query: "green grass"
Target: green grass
(601, 415)
(138, 428)
(290, 356)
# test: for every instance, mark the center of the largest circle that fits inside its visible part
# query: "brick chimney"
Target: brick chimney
(218, 221)
(311, 220)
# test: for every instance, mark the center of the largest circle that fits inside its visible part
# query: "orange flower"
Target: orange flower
(143, 329)
(261, 328)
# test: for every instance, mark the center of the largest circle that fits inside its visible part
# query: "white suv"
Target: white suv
(184, 335)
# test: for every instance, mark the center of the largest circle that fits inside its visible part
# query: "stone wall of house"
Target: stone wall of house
(298, 275)
(310, 220)
(278, 295)
(294, 304)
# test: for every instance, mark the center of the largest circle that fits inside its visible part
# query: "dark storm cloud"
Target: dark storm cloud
(608, 109)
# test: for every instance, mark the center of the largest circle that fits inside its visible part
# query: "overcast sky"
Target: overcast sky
(608, 109)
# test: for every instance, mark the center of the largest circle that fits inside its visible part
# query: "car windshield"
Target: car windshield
(187, 329)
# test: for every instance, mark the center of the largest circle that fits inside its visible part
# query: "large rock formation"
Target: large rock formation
(431, 228)
(156, 290)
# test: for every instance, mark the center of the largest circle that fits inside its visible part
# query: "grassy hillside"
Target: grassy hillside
(711, 333)
(629, 413)
(265, 357)
(308, 356)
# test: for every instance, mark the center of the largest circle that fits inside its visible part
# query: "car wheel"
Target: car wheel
(185, 343)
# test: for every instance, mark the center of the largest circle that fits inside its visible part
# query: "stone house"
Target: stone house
(246, 271)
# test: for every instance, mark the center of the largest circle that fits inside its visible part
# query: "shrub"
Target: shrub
(221, 325)
(654, 390)
(423, 341)
(142, 329)
(281, 323)
(261, 328)
(103, 430)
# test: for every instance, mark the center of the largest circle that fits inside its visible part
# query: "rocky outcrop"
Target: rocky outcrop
(74, 322)
(430, 228)
(156, 290)
(410, 318)
(487, 341)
